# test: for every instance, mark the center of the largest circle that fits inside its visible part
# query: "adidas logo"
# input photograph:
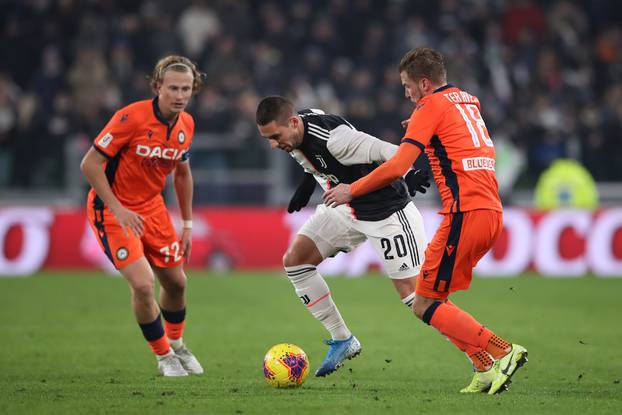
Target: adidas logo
(404, 267)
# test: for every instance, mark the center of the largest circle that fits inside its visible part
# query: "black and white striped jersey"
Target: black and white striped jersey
(335, 152)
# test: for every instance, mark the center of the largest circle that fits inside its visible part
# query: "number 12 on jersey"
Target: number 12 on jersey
(475, 124)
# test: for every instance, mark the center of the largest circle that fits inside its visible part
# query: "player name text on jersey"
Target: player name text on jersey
(460, 97)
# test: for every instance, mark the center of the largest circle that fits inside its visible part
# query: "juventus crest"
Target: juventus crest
(321, 160)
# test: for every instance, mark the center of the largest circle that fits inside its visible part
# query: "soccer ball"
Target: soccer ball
(285, 366)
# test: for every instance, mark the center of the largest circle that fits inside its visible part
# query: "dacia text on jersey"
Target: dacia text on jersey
(157, 151)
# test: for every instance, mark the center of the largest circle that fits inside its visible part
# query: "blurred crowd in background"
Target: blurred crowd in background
(548, 73)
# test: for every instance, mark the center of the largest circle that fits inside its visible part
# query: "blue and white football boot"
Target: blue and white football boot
(339, 350)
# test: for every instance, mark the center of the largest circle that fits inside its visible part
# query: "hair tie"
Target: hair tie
(177, 64)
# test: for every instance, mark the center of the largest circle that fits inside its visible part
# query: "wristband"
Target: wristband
(186, 224)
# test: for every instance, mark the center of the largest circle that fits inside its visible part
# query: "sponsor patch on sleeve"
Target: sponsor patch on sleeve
(105, 140)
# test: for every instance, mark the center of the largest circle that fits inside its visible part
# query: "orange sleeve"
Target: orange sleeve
(423, 123)
(192, 124)
(387, 172)
(116, 134)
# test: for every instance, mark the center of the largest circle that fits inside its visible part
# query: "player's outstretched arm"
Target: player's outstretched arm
(302, 194)
(388, 172)
(380, 177)
(182, 180)
(91, 167)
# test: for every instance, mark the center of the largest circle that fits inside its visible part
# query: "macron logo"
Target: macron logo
(159, 152)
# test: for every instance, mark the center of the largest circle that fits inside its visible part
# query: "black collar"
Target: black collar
(159, 116)
(442, 88)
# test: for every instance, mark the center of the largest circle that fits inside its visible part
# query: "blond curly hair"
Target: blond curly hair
(179, 64)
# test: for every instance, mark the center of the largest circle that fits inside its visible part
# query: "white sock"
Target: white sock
(409, 300)
(176, 344)
(169, 353)
(315, 295)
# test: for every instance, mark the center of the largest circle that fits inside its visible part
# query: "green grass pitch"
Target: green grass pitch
(70, 346)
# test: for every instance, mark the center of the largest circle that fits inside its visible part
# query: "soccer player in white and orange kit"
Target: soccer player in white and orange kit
(446, 123)
(127, 167)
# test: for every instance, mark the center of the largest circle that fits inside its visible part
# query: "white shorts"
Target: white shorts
(400, 239)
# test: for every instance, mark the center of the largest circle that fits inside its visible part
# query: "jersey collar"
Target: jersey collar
(442, 88)
(159, 116)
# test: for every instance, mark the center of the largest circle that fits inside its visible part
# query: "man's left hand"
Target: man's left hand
(417, 181)
(338, 195)
(186, 243)
(303, 193)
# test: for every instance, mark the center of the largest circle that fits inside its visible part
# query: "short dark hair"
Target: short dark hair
(424, 63)
(274, 108)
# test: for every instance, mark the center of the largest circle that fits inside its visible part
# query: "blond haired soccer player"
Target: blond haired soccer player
(446, 123)
(127, 168)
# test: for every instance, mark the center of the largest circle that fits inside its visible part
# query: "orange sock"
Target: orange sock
(466, 348)
(174, 331)
(154, 334)
(449, 303)
(481, 361)
(498, 347)
(457, 324)
(174, 322)
(160, 346)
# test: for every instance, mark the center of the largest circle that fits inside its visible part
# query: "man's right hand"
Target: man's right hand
(303, 193)
(129, 219)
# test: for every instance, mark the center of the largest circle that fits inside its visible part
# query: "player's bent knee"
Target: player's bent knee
(173, 280)
(405, 286)
(292, 258)
(175, 287)
(181, 284)
(177, 283)
(287, 259)
(143, 291)
(421, 305)
(302, 251)
(418, 310)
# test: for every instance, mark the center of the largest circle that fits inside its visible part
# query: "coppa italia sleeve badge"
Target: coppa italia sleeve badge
(105, 140)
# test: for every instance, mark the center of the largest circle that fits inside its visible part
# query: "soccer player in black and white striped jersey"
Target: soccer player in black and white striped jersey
(332, 151)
